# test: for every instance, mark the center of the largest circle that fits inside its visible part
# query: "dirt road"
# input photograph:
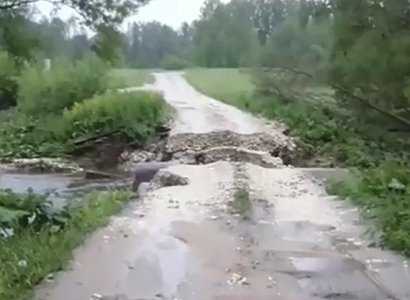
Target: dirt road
(186, 241)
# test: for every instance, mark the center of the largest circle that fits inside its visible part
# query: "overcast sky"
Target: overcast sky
(170, 12)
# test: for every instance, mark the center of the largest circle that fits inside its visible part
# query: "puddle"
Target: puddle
(326, 266)
(39, 183)
(59, 187)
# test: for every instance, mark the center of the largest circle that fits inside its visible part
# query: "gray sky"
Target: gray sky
(170, 12)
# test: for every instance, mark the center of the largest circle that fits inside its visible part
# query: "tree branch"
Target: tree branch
(15, 4)
(348, 93)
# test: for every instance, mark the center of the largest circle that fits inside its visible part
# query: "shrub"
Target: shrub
(42, 92)
(173, 62)
(134, 116)
(8, 83)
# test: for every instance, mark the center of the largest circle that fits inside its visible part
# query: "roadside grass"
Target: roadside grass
(32, 253)
(124, 78)
(223, 84)
(379, 159)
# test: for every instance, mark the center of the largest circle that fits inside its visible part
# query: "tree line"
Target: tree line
(359, 47)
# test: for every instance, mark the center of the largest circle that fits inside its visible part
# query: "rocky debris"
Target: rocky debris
(277, 145)
(262, 159)
(145, 171)
(165, 178)
(53, 165)
(131, 159)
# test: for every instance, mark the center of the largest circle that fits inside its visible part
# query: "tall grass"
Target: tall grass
(43, 92)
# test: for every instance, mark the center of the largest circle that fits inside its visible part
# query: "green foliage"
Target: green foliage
(27, 137)
(134, 116)
(172, 62)
(27, 212)
(28, 256)
(224, 36)
(94, 12)
(42, 92)
(8, 84)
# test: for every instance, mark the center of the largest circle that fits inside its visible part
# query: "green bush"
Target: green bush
(8, 82)
(134, 116)
(42, 92)
(172, 62)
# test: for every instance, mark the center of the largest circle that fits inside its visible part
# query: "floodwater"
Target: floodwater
(185, 242)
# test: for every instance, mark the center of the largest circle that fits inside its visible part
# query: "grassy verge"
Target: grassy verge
(45, 246)
(381, 185)
(223, 84)
(123, 78)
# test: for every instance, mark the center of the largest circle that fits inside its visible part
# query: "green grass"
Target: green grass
(123, 78)
(222, 84)
(29, 256)
(325, 133)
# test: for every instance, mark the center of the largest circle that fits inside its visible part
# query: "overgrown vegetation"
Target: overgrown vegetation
(43, 92)
(133, 116)
(70, 102)
(36, 240)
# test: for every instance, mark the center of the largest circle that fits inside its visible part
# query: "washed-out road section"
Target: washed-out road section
(182, 240)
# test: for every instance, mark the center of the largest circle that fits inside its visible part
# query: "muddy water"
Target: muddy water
(60, 187)
(185, 242)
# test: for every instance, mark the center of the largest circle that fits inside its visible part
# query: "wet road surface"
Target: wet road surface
(185, 242)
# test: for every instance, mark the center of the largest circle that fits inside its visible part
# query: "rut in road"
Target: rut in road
(188, 237)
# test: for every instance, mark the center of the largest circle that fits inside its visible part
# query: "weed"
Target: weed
(241, 203)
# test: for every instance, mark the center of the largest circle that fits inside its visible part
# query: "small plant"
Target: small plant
(241, 203)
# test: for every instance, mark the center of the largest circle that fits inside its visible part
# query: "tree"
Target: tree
(95, 13)
(224, 36)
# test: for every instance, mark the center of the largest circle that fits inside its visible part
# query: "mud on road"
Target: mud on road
(185, 240)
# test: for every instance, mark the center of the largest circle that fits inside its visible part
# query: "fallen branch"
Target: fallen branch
(94, 138)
